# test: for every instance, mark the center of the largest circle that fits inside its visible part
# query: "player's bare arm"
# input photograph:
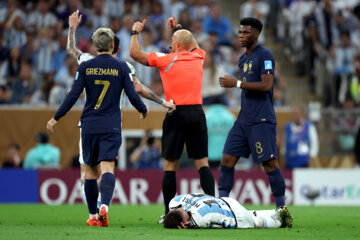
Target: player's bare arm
(50, 124)
(146, 92)
(264, 85)
(135, 48)
(74, 21)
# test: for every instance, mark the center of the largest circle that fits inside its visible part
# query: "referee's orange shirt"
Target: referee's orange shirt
(181, 74)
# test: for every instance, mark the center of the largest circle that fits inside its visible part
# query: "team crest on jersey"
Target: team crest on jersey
(268, 65)
(245, 67)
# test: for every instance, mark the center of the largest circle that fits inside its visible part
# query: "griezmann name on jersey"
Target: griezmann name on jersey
(103, 78)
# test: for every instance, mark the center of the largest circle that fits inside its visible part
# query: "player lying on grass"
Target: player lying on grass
(74, 21)
(198, 210)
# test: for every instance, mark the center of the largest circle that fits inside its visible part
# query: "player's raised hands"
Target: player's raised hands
(172, 23)
(75, 19)
(138, 26)
(50, 124)
(227, 81)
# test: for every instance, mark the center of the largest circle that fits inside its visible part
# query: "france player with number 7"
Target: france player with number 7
(103, 78)
(254, 131)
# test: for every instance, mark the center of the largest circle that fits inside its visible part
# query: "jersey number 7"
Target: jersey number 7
(103, 92)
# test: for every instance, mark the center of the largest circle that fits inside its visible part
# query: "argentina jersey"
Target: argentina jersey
(256, 106)
(205, 211)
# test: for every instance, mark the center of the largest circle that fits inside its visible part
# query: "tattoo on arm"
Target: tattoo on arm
(152, 96)
(71, 48)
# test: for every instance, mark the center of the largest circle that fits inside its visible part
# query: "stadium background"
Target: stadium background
(36, 73)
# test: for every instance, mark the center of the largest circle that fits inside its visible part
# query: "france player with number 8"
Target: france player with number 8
(254, 131)
(103, 78)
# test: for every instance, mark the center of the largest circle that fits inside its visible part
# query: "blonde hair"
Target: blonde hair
(102, 39)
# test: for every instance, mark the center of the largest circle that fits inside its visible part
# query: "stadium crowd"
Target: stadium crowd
(322, 37)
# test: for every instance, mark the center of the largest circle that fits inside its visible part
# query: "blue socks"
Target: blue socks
(107, 186)
(91, 194)
(226, 181)
(277, 184)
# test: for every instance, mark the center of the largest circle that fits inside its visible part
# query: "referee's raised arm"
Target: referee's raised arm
(135, 49)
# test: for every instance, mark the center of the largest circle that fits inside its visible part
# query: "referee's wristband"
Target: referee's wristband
(238, 84)
(133, 32)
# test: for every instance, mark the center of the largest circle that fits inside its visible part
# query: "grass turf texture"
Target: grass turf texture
(140, 222)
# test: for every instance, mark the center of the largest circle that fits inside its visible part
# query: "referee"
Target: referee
(181, 73)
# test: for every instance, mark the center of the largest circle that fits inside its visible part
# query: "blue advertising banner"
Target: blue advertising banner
(18, 186)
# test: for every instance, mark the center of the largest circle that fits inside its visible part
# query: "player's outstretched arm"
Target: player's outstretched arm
(147, 93)
(135, 48)
(74, 21)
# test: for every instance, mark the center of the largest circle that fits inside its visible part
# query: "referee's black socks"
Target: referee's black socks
(207, 181)
(168, 188)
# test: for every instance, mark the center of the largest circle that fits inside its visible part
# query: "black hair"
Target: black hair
(42, 137)
(116, 44)
(173, 219)
(345, 32)
(15, 145)
(253, 22)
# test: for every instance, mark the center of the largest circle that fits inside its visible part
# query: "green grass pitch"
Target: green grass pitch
(25, 221)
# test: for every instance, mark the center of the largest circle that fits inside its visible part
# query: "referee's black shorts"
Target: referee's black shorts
(185, 125)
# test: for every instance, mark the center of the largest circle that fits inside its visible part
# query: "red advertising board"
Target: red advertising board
(144, 186)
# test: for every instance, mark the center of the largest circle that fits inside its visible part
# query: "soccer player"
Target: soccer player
(181, 73)
(74, 21)
(254, 131)
(204, 211)
(103, 78)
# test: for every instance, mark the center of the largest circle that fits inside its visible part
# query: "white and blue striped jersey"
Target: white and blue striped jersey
(205, 211)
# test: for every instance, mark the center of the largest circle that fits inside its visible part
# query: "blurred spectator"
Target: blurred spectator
(64, 77)
(156, 17)
(43, 155)
(14, 34)
(46, 50)
(197, 31)
(211, 90)
(14, 64)
(13, 159)
(185, 19)
(343, 56)
(218, 24)
(24, 86)
(60, 52)
(147, 154)
(256, 9)
(300, 143)
(5, 94)
(280, 86)
(72, 6)
(324, 32)
(176, 7)
(219, 121)
(41, 96)
(355, 81)
(98, 17)
(124, 36)
(199, 10)
(42, 17)
(4, 56)
(114, 8)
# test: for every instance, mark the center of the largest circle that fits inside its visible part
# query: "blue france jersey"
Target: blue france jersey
(205, 211)
(256, 106)
(104, 78)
